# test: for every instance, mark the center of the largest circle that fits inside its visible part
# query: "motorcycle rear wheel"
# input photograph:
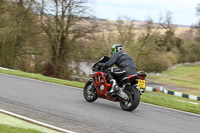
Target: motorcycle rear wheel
(133, 101)
(89, 91)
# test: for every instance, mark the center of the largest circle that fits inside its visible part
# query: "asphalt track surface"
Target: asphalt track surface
(65, 107)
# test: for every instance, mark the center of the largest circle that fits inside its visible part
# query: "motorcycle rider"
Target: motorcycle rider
(125, 63)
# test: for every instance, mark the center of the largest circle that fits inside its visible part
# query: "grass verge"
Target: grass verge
(147, 98)
(170, 103)
(173, 97)
(11, 129)
(43, 78)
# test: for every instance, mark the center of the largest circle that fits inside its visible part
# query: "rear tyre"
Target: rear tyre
(133, 100)
(89, 91)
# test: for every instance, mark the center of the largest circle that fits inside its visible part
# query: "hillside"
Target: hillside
(185, 77)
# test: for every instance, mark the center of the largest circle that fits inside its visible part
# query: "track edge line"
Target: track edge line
(35, 122)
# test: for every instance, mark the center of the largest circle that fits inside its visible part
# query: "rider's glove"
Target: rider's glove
(101, 66)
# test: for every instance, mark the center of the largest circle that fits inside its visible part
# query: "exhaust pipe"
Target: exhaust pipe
(141, 92)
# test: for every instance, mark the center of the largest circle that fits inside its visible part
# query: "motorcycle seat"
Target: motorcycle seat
(117, 72)
(138, 75)
(141, 74)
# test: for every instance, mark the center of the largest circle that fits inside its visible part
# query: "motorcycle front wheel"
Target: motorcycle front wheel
(89, 91)
(133, 99)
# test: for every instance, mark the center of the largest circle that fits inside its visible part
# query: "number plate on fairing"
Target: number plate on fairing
(141, 83)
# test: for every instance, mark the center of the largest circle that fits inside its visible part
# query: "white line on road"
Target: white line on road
(35, 122)
(170, 109)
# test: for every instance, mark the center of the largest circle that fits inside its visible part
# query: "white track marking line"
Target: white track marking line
(35, 122)
(82, 89)
(170, 109)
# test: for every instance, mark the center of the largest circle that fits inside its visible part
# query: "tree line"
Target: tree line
(47, 36)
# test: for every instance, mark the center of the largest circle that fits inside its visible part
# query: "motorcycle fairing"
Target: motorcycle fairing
(100, 79)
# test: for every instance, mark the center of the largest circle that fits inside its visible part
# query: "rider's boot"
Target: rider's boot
(115, 87)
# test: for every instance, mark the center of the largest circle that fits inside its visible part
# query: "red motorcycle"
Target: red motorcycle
(130, 88)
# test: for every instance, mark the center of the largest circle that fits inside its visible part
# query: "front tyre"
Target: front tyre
(133, 99)
(89, 91)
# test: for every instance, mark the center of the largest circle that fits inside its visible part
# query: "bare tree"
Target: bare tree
(126, 31)
(64, 22)
(17, 32)
(198, 26)
(198, 9)
(169, 39)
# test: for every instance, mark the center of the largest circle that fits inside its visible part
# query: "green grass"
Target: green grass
(170, 103)
(11, 129)
(172, 96)
(43, 78)
(186, 77)
(161, 100)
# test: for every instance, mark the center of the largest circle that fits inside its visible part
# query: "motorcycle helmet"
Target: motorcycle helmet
(116, 48)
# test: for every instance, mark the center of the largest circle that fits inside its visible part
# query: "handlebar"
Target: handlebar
(97, 65)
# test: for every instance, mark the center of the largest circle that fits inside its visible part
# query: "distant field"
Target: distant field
(181, 32)
(186, 77)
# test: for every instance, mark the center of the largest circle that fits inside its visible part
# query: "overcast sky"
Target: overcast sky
(183, 11)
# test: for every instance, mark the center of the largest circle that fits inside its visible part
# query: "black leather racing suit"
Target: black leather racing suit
(123, 61)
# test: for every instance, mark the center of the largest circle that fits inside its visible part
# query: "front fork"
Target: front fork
(91, 88)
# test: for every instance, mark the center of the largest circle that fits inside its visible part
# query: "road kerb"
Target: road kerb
(179, 94)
